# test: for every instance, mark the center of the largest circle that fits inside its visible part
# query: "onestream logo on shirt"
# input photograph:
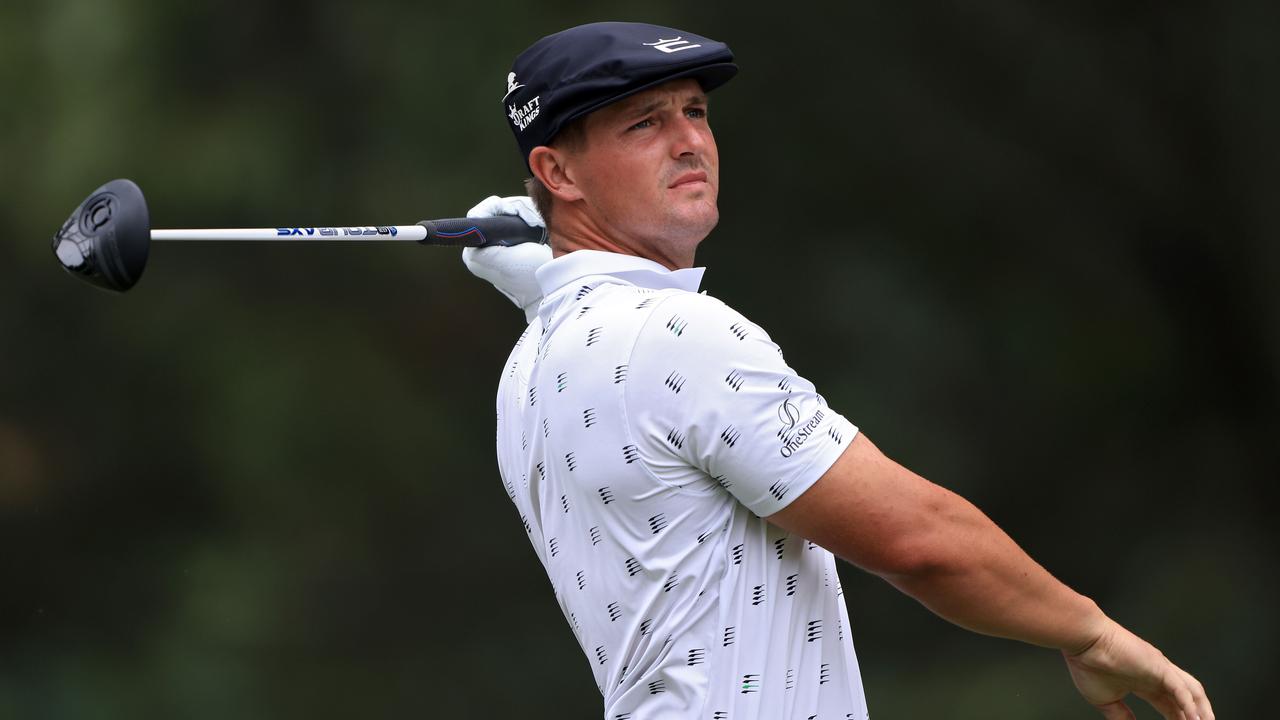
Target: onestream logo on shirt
(791, 436)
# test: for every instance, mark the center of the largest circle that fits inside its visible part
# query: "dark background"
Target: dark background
(1030, 248)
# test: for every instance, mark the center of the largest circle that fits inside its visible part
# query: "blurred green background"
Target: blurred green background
(1030, 248)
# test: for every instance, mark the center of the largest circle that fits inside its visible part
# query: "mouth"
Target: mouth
(689, 178)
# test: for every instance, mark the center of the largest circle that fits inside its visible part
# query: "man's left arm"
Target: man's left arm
(940, 549)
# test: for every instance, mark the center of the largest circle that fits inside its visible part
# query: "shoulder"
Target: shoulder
(700, 308)
(693, 302)
(701, 320)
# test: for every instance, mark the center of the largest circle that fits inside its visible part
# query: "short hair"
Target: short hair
(571, 137)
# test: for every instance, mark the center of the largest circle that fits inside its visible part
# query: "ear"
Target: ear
(549, 166)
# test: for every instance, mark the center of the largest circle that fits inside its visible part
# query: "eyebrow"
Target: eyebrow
(698, 99)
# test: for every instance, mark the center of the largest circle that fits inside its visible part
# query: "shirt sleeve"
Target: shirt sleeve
(710, 395)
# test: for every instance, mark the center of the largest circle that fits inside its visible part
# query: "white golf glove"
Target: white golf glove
(510, 269)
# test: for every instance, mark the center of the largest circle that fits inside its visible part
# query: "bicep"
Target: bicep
(871, 511)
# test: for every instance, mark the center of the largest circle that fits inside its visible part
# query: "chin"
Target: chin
(691, 229)
(702, 219)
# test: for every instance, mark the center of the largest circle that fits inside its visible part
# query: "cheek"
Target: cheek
(623, 177)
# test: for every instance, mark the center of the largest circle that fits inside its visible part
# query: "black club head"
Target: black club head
(106, 239)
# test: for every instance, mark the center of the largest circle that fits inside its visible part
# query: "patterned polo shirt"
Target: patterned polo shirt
(644, 430)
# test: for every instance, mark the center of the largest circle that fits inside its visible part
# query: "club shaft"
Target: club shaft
(383, 233)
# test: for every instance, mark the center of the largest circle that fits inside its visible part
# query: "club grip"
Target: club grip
(482, 232)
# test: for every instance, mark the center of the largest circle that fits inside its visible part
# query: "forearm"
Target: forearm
(938, 548)
(970, 572)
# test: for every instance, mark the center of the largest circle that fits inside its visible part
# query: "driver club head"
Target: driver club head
(107, 238)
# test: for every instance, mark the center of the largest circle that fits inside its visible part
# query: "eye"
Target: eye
(642, 124)
(696, 112)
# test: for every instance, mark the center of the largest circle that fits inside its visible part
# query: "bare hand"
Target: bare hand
(1119, 663)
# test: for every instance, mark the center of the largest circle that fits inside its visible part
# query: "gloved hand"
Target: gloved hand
(510, 269)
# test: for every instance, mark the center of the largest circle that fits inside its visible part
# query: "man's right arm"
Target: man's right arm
(510, 269)
(943, 551)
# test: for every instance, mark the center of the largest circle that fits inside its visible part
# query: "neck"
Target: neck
(575, 230)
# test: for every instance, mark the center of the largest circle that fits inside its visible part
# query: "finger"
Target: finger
(530, 217)
(523, 207)
(1198, 694)
(487, 264)
(487, 207)
(1186, 697)
(478, 259)
(1168, 705)
(1191, 698)
(1116, 711)
(1186, 703)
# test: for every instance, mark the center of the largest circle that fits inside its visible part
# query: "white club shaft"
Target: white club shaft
(384, 233)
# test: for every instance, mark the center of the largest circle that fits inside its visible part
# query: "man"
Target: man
(682, 485)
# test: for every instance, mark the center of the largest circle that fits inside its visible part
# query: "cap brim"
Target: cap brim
(709, 77)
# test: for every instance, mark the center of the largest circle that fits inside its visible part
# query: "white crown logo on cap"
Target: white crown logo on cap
(512, 85)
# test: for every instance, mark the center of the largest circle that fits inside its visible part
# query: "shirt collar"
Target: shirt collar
(630, 269)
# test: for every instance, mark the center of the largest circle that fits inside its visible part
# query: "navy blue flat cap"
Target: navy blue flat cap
(573, 72)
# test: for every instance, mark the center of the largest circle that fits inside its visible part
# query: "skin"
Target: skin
(643, 181)
(943, 551)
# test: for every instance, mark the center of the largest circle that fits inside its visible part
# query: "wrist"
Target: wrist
(1093, 625)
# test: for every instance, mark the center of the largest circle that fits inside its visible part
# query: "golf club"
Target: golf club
(107, 239)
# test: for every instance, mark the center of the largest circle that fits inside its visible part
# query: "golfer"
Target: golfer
(683, 486)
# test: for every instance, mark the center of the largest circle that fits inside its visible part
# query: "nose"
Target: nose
(691, 138)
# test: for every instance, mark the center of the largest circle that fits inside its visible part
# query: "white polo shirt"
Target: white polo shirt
(643, 431)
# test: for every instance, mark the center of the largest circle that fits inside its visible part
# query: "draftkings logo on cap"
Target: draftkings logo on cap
(576, 71)
(521, 114)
